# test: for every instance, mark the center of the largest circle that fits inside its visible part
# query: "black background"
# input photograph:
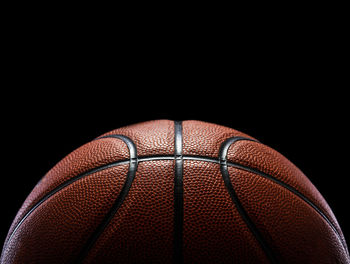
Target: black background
(284, 85)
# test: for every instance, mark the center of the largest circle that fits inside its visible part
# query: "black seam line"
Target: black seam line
(281, 183)
(90, 172)
(230, 188)
(294, 191)
(130, 144)
(178, 195)
(62, 186)
(118, 202)
(171, 157)
(269, 177)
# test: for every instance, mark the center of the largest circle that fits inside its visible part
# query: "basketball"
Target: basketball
(175, 192)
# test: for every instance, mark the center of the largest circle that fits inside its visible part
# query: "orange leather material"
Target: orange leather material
(208, 192)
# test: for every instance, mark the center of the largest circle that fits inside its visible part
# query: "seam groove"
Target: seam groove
(230, 188)
(167, 157)
(62, 186)
(178, 195)
(295, 192)
(118, 202)
(135, 160)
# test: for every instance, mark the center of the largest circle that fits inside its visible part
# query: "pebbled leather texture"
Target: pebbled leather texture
(272, 205)
(214, 232)
(142, 229)
(151, 138)
(204, 139)
(289, 225)
(81, 160)
(265, 159)
(61, 225)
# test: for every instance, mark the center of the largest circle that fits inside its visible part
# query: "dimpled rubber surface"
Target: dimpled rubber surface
(243, 204)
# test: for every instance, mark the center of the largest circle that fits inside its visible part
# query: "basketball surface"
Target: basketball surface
(175, 192)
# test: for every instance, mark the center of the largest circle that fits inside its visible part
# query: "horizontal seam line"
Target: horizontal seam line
(185, 157)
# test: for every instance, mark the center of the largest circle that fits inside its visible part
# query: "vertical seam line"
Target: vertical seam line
(178, 194)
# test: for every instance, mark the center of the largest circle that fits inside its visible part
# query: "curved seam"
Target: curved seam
(296, 193)
(272, 178)
(185, 157)
(288, 187)
(165, 157)
(240, 208)
(61, 187)
(130, 144)
(117, 203)
(78, 177)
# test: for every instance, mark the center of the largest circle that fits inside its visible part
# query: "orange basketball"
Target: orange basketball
(175, 192)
